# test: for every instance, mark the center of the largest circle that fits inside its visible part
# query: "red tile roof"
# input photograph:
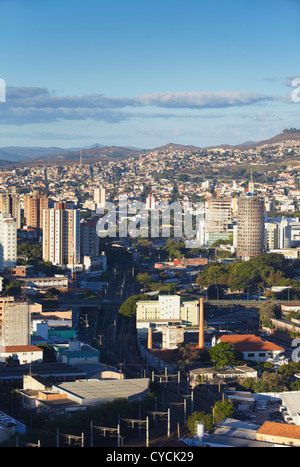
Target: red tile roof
(248, 342)
(20, 348)
(279, 429)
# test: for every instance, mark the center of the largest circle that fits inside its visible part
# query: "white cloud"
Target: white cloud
(39, 105)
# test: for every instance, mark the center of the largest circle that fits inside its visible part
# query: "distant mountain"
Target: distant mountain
(41, 156)
(178, 147)
(91, 155)
(15, 153)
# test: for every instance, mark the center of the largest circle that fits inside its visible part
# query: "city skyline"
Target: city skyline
(145, 74)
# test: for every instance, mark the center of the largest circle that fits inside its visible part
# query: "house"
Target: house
(254, 348)
(228, 374)
(22, 353)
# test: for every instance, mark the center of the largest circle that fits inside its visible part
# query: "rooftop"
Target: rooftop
(245, 342)
(280, 429)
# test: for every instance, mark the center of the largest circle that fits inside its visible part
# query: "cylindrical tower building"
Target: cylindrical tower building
(250, 227)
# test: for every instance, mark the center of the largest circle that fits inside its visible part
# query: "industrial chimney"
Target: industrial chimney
(201, 324)
(149, 338)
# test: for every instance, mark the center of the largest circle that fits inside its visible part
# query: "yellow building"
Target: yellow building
(166, 310)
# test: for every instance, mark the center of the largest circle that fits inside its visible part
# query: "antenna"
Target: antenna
(81, 158)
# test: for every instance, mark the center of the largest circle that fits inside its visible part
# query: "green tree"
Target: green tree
(128, 308)
(268, 311)
(144, 280)
(222, 409)
(202, 417)
(222, 354)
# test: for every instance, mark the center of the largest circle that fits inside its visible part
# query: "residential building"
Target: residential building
(61, 235)
(34, 206)
(8, 242)
(254, 348)
(11, 204)
(218, 220)
(89, 240)
(24, 354)
(100, 196)
(250, 226)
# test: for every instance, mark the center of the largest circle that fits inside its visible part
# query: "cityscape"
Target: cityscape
(149, 286)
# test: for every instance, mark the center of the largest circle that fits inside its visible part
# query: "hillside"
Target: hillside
(19, 157)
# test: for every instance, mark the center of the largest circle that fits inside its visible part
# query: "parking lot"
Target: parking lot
(262, 412)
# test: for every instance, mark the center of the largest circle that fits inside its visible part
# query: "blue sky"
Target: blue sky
(145, 73)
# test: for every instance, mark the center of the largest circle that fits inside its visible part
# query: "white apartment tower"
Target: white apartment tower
(61, 235)
(100, 196)
(8, 242)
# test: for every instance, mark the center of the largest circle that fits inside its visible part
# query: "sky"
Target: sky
(144, 73)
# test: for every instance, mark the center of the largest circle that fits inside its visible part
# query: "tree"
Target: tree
(268, 311)
(185, 354)
(222, 410)
(14, 287)
(128, 308)
(202, 417)
(144, 280)
(222, 354)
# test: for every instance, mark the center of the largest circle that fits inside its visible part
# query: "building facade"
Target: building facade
(168, 309)
(61, 235)
(11, 204)
(8, 242)
(14, 324)
(34, 206)
(250, 227)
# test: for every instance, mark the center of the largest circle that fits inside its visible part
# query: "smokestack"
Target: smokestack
(201, 324)
(149, 338)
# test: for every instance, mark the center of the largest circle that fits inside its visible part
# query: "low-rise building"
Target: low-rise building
(254, 348)
(22, 353)
(279, 433)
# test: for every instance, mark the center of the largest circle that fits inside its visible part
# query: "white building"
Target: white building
(61, 235)
(254, 348)
(8, 242)
(100, 196)
(168, 309)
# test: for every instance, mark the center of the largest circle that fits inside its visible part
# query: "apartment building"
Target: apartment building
(250, 227)
(8, 242)
(11, 204)
(61, 235)
(218, 220)
(34, 206)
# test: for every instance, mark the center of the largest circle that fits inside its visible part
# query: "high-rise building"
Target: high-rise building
(34, 206)
(218, 220)
(14, 323)
(88, 238)
(250, 226)
(61, 235)
(100, 195)
(8, 242)
(11, 204)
